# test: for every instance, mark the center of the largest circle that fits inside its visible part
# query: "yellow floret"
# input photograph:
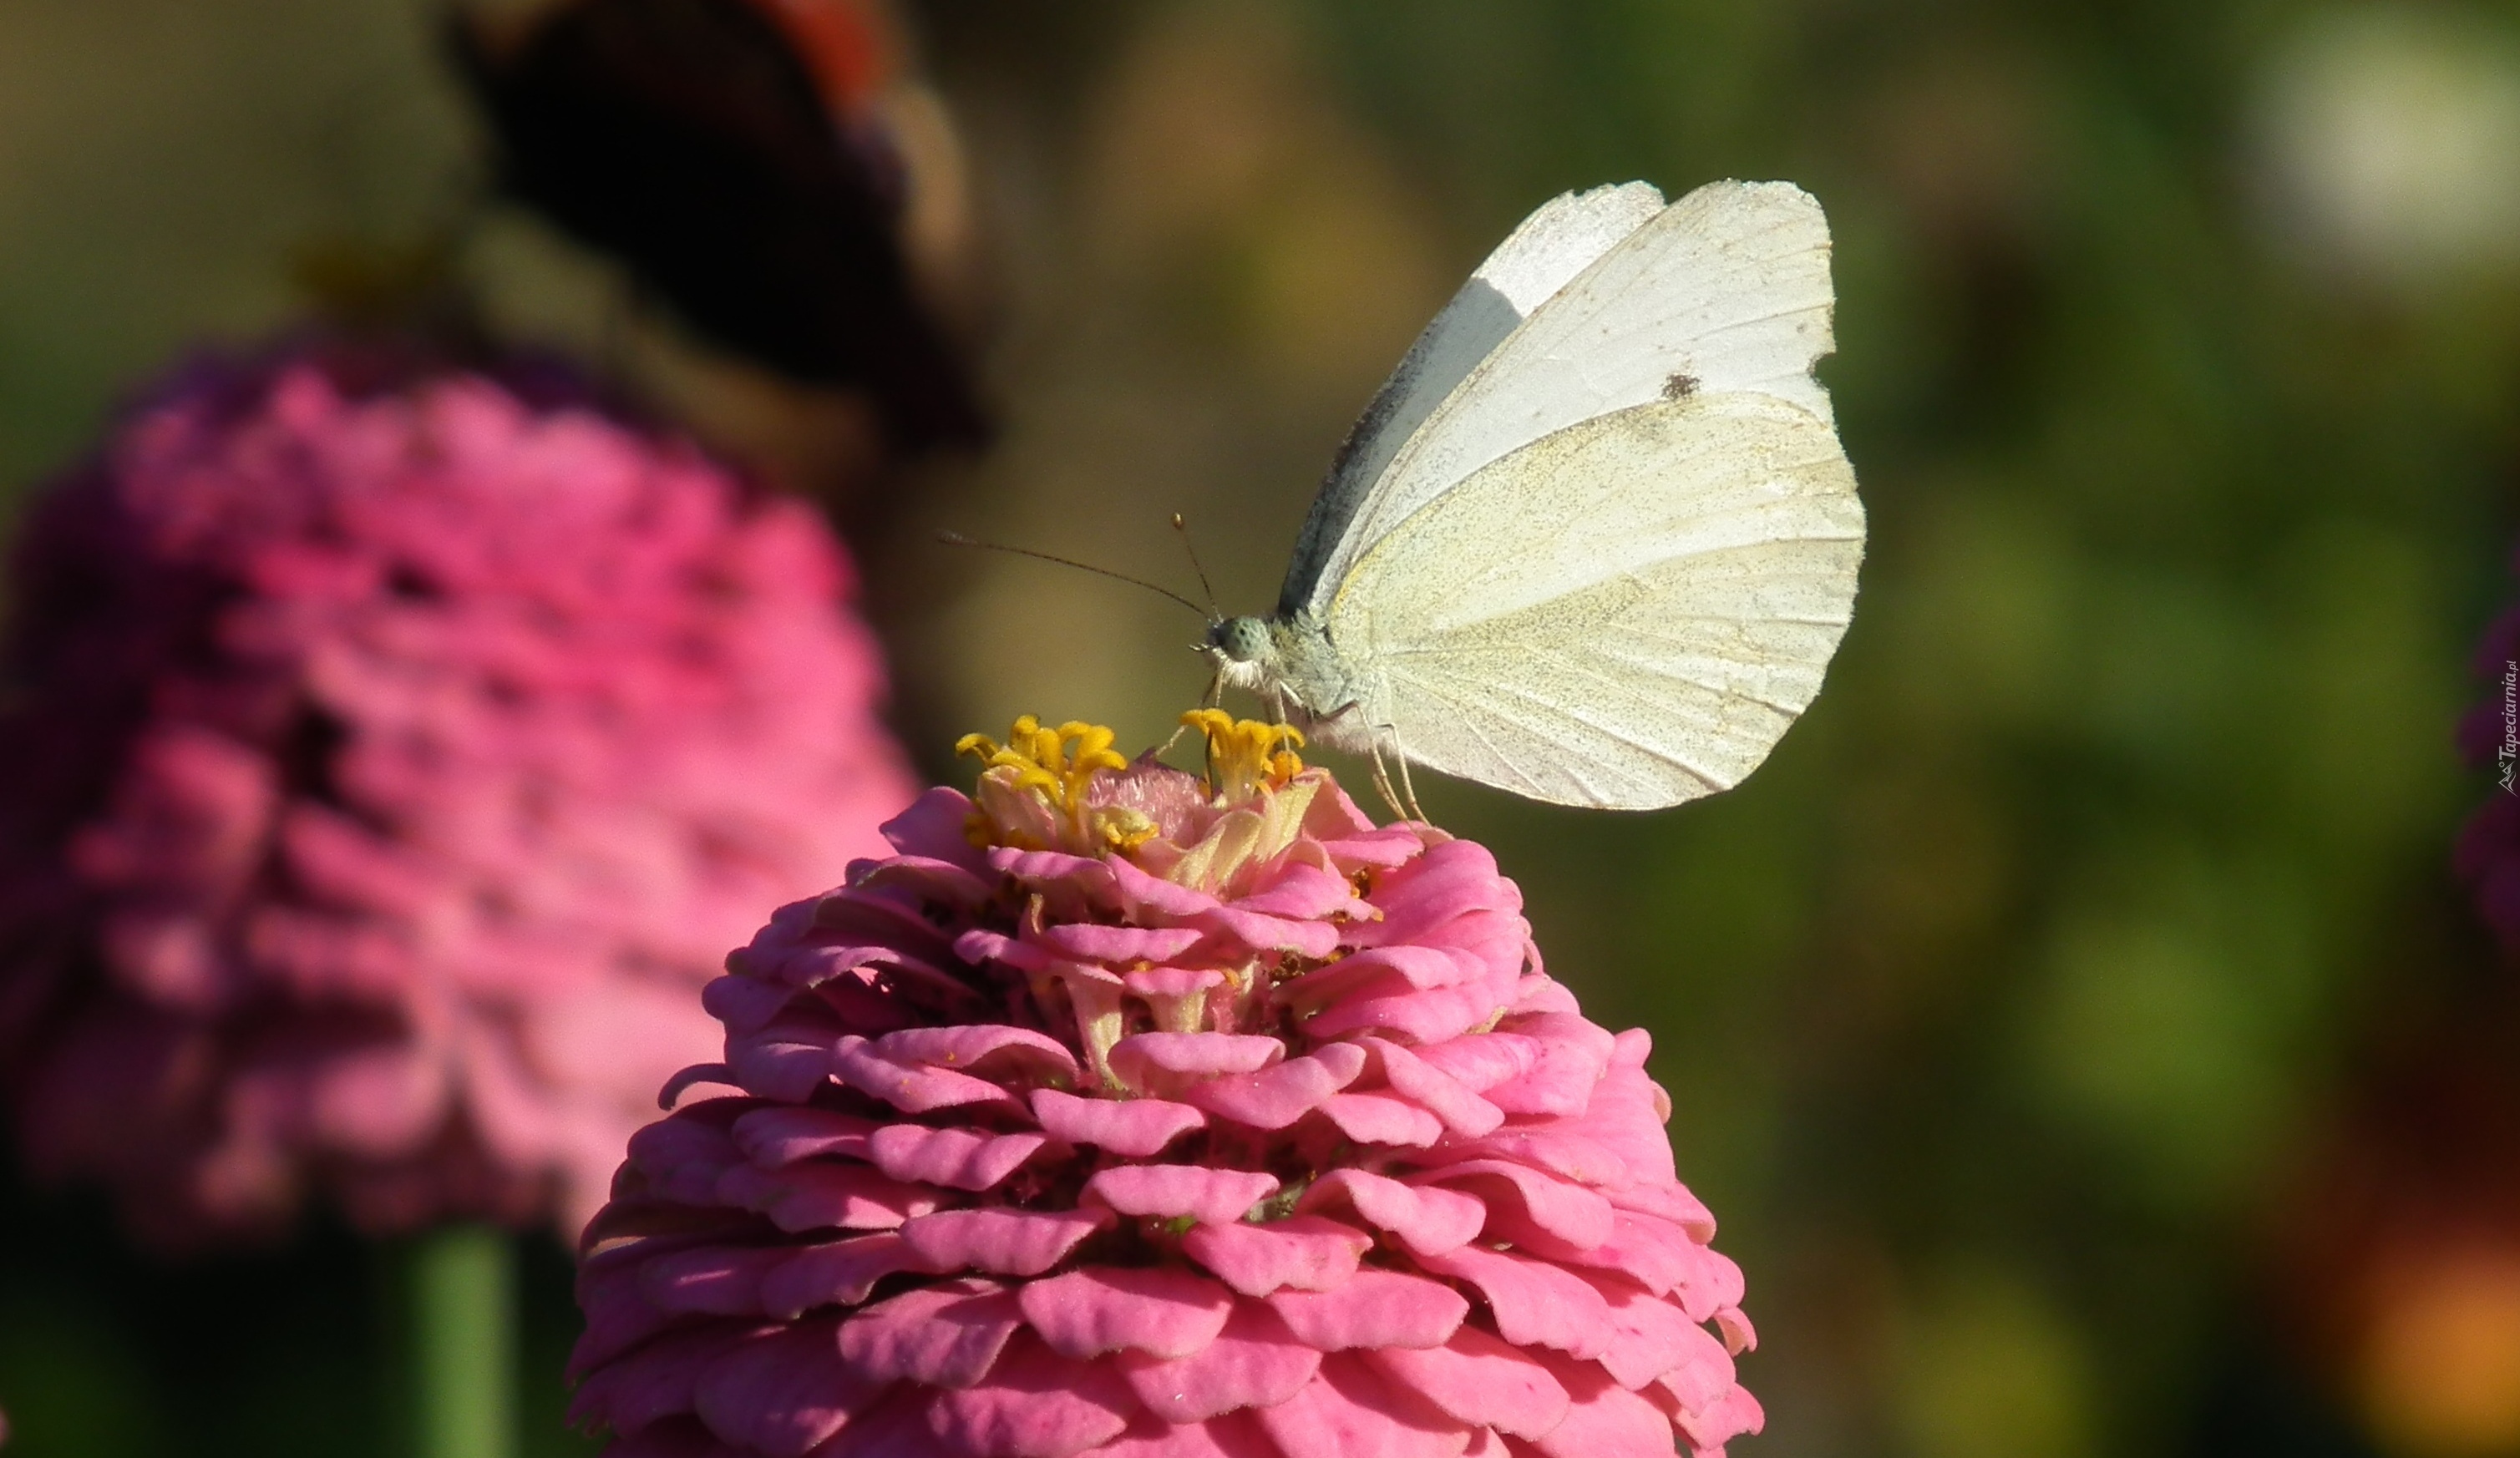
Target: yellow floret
(1245, 755)
(1058, 762)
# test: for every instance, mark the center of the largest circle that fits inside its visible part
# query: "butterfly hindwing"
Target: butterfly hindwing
(1626, 613)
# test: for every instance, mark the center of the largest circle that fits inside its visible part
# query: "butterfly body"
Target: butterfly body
(1596, 542)
(1287, 660)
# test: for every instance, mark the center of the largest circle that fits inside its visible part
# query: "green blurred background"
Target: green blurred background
(2075, 1024)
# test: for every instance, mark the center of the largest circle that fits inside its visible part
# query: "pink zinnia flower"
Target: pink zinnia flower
(389, 764)
(1138, 1113)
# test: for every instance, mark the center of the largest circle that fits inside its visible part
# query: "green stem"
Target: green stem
(462, 1312)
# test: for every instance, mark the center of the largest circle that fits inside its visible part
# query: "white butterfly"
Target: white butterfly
(1595, 540)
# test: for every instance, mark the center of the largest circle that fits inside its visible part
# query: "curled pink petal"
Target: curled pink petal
(1349, 1410)
(1429, 1221)
(1254, 1361)
(1099, 1310)
(1132, 1129)
(1535, 1303)
(784, 1392)
(1213, 1197)
(1383, 1118)
(838, 1273)
(1000, 1242)
(957, 1158)
(1230, 1436)
(1303, 1251)
(945, 1335)
(1604, 1420)
(1150, 1058)
(1376, 1308)
(1277, 1097)
(1479, 1380)
(1038, 1405)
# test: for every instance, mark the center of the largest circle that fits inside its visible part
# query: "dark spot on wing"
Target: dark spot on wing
(1680, 388)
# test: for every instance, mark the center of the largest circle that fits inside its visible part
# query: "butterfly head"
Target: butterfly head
(1243, 649)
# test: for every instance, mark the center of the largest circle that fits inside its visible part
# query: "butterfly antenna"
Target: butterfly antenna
(1214, 611)
(957, 538)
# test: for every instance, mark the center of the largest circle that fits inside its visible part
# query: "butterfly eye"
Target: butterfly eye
(1242, 639)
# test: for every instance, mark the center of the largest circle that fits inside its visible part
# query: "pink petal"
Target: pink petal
(1384, 968)
(840, 1273)
(786, 1061)
(820, 1196)
(1144, 1059)
(913, 1088)
(1562, 1209)
(1134, 1128)
(1099, 1310)
(1253, 1362)
(932, 826)
(1481, 1061)
(1702, 1378)
(783, 1136)
(1089, 941)
(1348, 1410)
(1383, 1118)
(1306, 893)
(1656, 1256)
(1376, 1308)
(1652, 1335)
(1429, 1222)
(654, 1381)
(1422, 1017)
(720, 1280)
(686, 1079)
(957, 1159)
(1304, 1251)
(675, 1438)
(1707, 1283)
(1036, 1405)
(1275, 1097)
(1258, 933)
(1573, 1056)
(784, 1393)
(1556, 1148)
(945, 1335)
(1737, 1414)
(1479, 1380)
(1738, 1335)
(1438, 1092)
(1222, 1437)
(1212, 1197)
(1604, 1420)
(1001, 1242)
(1535, 1304)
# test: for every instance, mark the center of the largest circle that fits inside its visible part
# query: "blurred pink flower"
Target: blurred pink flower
(391, 762)
(1131, 1114)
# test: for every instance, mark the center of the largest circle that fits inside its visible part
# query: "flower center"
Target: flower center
(1044, 788)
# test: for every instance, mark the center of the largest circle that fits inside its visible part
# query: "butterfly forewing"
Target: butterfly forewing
(1553, 246)
(1725, 291)
(1627, 613)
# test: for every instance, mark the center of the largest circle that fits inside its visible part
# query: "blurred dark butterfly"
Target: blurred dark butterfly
(746, 159)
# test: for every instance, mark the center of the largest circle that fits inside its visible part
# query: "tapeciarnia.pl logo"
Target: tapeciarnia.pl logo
(2507, 755)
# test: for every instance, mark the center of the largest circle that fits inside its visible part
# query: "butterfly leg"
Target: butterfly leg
(1383, 782)
(1381, 776)
(1417, 811)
